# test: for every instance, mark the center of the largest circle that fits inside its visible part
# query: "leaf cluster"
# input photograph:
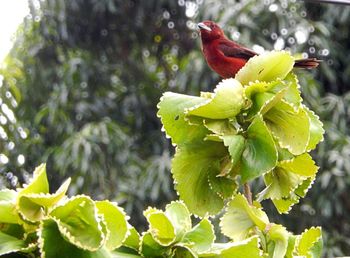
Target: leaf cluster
(33, 220)
(251, 126)
(36, 222)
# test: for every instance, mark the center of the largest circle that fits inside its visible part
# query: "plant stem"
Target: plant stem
(248, 193)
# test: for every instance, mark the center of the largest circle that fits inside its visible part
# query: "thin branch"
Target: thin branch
(346, 2)
(248, 193)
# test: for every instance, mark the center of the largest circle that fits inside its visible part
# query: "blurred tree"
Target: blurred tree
(333, 41)
(328, 204)
(81, 84)
(83, 80)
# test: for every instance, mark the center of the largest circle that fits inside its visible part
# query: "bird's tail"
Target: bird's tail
(307, 63)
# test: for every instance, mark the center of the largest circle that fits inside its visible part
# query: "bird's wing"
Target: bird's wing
(231, 49)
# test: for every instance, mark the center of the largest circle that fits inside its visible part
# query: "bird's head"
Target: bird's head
(210, 31)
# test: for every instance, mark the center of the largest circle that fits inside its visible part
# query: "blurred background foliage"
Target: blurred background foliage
(80, 87)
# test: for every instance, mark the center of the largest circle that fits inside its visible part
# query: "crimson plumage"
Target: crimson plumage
(226, 57)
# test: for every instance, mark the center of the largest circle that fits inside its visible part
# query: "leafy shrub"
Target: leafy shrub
(254, 125)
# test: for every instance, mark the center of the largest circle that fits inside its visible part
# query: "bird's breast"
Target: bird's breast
(226, 67)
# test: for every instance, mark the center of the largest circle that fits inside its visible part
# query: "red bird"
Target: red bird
(226, 57)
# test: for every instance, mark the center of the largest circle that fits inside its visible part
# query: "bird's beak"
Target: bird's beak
(202, 26)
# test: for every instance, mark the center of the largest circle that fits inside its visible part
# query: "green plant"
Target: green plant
(251, 126)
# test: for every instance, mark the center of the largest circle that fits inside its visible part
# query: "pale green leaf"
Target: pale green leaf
(279, 236)
(292, 95)
(289, 126)
(290, 175)
(151, 248)
(8, 209)
(78, 222)
(235, 144)
(223, 186)
(116, 223)
(291, 246)
(284, 154)
(171, 112)
(226, 102)
(8, 213)
(220, 127)
(253, 88)
(280, 183)
(272, 101)
(316, 130)
(133, 239)
(266, 67)
(8, 195)
(180, 217)
(290, 87)
(262, 97)
(260, 153)
(160, 226)
(29, 210)
(258, 101)
(240, 218)
(129, 253)
(303, 188)
(246, 248)
(183, 252)
(191, 168)
(302, 165)
(38, 184)
(310, 243)
(201, 237)
(33, 206)
(213, 137)
(289, 181)
(10, 244)
(285, 204)
(226, 168)
(53, 245)
(47, 200)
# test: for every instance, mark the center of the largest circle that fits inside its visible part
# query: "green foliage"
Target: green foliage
(96, 123)
(246, 217)
(242, 220)
(81, 227)
(54, 225)
(207, 170)
(171, 234)
(277, 25)
(257, 69)
(264, 118)
(225, 102)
